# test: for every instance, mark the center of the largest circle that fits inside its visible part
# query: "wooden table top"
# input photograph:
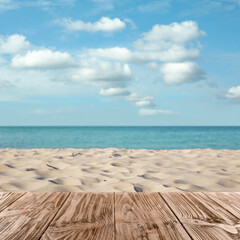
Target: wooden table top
(119, 216)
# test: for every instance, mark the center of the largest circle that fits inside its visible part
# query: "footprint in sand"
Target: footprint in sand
(55, 168)
(138, 188)
(52, 181)
(76, 154)
(10, 166)
(117, 165)
(116, 155)
(30, 169)
(40, 178)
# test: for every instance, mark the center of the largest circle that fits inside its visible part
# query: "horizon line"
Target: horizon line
(119, 125)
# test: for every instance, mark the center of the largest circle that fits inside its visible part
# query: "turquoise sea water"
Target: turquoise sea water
(120, 137)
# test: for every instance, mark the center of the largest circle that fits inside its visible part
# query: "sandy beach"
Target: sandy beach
(107, 170)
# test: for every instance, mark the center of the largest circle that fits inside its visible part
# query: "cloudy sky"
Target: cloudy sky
(109, 62)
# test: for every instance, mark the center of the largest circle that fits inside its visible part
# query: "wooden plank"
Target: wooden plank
(145, 216)
(8, 198)
(202, 217)
(84, 216)
(29, 216)
(229, 201)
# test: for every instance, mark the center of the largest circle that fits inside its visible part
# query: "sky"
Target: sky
(119, 63)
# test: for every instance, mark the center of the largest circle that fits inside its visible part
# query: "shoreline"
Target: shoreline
(113, 170)
(114, 148)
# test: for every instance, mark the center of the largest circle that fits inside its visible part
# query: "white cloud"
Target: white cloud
(233, 92)
(176, 73)
(13, 44)
(117, 53)
(169, 43)
(27, 83)
(175, 32)
(144, 103)
(114, 92)
(165, 43)
(43, 59)
(102, 73)
(175, 53)
(140, 100)
(153, 112)
(104, 24)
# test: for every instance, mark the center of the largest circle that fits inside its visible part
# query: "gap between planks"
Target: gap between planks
(207, 215)
(54, 216)
(213, 197)
(175, 215)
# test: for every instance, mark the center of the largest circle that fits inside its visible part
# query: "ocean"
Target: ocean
(121, 137)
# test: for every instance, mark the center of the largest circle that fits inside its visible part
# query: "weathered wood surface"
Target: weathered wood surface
(84, 216)
(7, 199)
(205, 218)
(145, 216)
(29, 216)
(229, 201)
(119, 216)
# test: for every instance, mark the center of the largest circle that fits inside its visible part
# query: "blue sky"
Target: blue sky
(108, 62)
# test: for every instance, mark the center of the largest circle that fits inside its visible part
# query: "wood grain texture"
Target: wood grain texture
(145, 216)
(229, 201)
(84, 216)
(203, 217)
(119, 216)
(7, 199)
(29, 216)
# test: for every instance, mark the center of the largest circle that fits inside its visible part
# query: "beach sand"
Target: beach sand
(113, 170)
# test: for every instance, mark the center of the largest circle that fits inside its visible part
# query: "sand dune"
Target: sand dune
(111, 169)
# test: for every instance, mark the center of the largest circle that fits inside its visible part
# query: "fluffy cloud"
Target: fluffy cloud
(104, 24)
(114, 92)
(24, 83)
(165, 43)
(140, 100)
(152, 112)
(13, 44)
(175, 53)
(233, 92)
(164, 49)
(102, 73)
(176, 73)
(117, 53)
(169, 42)
(176, 33)
(43, 59)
